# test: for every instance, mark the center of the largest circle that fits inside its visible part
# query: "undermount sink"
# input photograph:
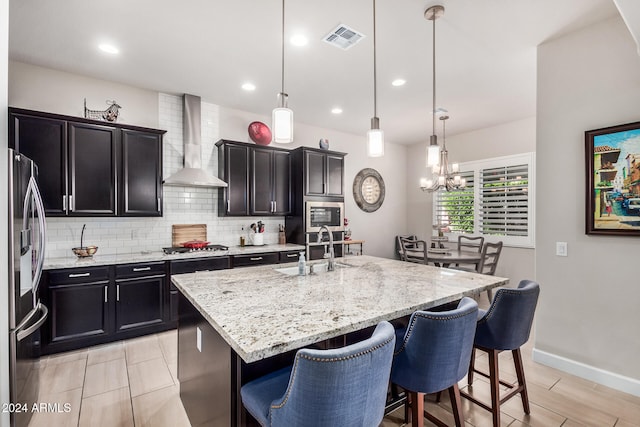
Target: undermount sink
(317, 269)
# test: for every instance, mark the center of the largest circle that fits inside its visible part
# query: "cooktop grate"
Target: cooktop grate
(182, 250)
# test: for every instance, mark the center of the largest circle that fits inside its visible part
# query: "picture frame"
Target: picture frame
(612, 157)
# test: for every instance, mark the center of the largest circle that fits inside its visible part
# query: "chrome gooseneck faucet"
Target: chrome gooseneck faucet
(331, 264)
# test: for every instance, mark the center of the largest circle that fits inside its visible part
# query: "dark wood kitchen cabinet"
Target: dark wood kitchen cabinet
(321, 172)
(44, 140)
(141, 179)
(258, 178)
(95, 305)
(233, 168)
(91, 168)
(140, 295)
(78, 308)
(270, 173)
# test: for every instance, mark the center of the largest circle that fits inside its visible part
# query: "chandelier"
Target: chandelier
(444, 176)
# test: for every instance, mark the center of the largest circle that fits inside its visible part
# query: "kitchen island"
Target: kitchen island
(235, 325)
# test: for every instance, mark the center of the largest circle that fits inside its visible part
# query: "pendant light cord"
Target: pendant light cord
(375, 79)
(282, 91)
(434, 75)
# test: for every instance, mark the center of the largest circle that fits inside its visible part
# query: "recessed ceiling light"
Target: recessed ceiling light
(108, 48)
(249, 87)
(336, 110)
(398, 82)
(299, 40)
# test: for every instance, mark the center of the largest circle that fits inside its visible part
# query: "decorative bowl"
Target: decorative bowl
(85, 251)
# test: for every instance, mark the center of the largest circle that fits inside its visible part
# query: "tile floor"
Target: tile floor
(134, 383)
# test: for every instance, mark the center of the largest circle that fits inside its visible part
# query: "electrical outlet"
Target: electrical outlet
(199, 339)
(561, 248)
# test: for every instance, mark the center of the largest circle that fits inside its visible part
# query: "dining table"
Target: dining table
(445, 257)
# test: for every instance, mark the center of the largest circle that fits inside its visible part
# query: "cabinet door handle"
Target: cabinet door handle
(291, 255)
(106, 298)
(258, 258)
(64, 203)
(158, 208)
(72, 275)
(228, 205)
(71, 204)
(117, 292)
(141, 268)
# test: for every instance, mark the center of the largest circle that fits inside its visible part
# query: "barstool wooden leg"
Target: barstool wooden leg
(494, 380)
(472, 366)
(417, 409)
(517, 359)
(456, 405)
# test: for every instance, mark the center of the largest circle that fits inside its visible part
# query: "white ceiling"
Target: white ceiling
(486, 54)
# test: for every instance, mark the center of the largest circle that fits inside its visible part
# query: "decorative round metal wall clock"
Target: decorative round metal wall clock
(368, 190)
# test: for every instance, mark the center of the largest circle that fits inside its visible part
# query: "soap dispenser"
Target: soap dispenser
(302, 265)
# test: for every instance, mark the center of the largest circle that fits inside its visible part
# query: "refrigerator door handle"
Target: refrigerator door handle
(20, 335)
(42, 237)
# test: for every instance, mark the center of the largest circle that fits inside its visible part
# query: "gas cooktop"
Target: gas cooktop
(183, 250)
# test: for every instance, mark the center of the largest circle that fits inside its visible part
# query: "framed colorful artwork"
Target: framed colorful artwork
(613, 180)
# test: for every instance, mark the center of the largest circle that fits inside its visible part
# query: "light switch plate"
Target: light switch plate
(199, 339)
(561, 248)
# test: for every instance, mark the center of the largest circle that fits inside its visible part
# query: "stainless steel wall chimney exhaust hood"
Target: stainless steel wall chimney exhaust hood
(192, 175)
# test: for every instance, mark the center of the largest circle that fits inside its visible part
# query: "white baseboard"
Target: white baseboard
(588, 372)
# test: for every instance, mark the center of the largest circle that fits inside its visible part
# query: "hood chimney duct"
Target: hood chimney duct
(192, 174)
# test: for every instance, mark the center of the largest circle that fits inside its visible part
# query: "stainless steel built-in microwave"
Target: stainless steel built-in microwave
(329, 214)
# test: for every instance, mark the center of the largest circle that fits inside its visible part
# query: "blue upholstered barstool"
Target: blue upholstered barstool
(506, 325)
(433, 355)
(339, 387)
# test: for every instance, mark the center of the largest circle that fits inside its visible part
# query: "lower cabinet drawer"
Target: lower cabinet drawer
(200, 264)
(290, 256)
(139, 269)
(255, 259)
(78, 275)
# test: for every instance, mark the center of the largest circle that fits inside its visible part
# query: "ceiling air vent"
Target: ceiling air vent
(343, 37)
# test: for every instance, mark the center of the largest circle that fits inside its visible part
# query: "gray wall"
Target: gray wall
(44, 89)
(507, 139)
(588, 317)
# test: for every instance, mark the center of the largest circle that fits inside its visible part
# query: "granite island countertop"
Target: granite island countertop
(261, 312)
(98, 259)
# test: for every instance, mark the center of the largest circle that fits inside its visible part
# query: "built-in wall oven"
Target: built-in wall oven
(329, 214)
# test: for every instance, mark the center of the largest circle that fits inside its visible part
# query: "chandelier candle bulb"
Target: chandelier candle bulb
(456, 180)
(455, 167)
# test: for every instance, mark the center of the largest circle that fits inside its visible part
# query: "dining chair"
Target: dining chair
(489, 262)
(413, 250)
(399, 248)
(506, 325)
(338, 387)
(433, 354)
(472, 244)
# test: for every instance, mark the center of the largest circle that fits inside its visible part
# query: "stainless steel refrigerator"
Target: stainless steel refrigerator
(27, 240)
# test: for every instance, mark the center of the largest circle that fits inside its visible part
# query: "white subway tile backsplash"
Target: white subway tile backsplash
(181, 205)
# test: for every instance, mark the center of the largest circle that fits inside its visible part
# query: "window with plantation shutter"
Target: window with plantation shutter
(504, 201)
(455, 208)
(497, 203)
